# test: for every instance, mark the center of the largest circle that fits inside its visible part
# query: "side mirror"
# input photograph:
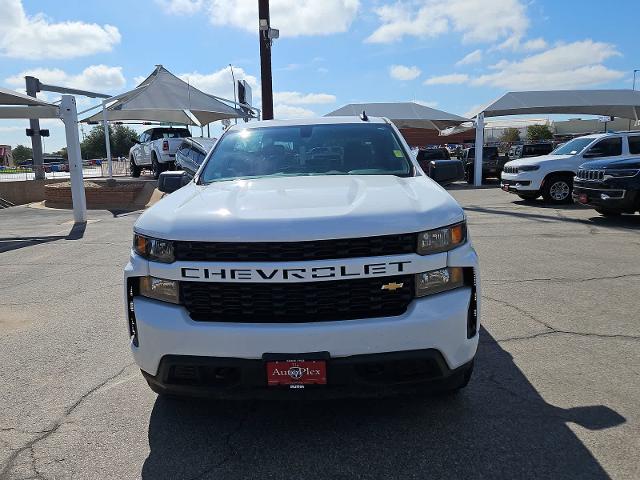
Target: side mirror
(445, 172)
(169, 182)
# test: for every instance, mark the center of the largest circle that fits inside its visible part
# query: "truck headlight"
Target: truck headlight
(437, 281)
(528, 168)
(160, 289)
(153, 248)
(442, 239)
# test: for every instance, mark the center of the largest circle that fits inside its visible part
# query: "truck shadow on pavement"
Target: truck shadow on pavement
(626, 222)
(498, 427)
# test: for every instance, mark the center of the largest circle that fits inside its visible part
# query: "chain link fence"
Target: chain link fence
(96, 168)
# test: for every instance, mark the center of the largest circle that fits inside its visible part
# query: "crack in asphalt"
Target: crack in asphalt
(551, 330)
(232, 452)
(564, 279)
(8, 466)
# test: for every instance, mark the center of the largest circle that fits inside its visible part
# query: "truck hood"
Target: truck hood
(537, 160)
(300, 208)
(612, 164)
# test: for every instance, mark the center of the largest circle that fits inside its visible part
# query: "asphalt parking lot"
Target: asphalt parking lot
(555, 393)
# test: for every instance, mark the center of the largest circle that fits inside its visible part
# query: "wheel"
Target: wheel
(557, 189)
(468, 175)
(528, 196)
(457, 382)
(156, 167)
(135, 169)
(605, 212)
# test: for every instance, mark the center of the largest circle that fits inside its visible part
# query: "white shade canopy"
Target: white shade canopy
(163, 97)
(614, 103)
(18, 105)
(403, 114)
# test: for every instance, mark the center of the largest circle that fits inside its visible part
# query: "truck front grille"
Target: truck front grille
(297, 251)
(590, 175)
(510, 169)
(296, 302)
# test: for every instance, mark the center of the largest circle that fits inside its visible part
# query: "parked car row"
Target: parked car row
(601, 170)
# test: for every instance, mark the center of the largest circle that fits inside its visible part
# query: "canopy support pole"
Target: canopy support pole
(69, 116)
(477, 162)
(107, 140)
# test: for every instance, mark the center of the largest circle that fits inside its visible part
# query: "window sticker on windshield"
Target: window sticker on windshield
(398, 153)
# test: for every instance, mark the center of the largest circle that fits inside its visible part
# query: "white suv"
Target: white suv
(304, 254)
(552, 175)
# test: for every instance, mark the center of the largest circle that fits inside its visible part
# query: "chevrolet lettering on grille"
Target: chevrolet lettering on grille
(336, 272)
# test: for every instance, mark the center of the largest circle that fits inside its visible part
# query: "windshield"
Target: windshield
(342, 149)
(573, 147)
(170, 133)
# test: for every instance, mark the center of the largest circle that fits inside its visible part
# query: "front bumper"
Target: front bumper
(372, 373)
(600, 194)
(439, 322)
(514, 183)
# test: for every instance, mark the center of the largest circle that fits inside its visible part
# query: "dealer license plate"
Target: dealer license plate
(296, 372)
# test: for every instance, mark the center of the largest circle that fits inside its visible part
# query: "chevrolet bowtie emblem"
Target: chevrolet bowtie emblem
(392, 286)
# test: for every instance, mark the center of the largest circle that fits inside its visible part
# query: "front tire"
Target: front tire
(135, 169)
(457, 382)
(156, 167)
(468, 175)
(557, 189)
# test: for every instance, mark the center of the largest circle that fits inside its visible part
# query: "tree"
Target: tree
(21, 153)
(121, 140)
(510, 135)
(539, 132)
(63, 153)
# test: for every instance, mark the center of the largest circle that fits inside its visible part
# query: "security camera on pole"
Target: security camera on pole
(267, 35)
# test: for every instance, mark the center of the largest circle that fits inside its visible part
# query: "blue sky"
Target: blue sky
(454, 55)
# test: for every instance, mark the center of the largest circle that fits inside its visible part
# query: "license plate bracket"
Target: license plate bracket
(296, 370)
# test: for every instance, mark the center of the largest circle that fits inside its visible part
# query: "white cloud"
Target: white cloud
(473, 57)
(180, 7)
(574, 65)
(473, 110)
(292, 17)
(451, 79)
(297, 98)
(36, 37)
(286, 104)
(516, 44)
(284, 112)
(96, 78)
(403, 72)
(220, 82)
(535, 44)
(476, 20)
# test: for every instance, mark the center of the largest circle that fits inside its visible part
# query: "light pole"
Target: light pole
(235, 96)
(266, 34)
(634, 87)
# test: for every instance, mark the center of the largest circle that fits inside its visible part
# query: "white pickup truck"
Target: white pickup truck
(310, 254)
(156, 148)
